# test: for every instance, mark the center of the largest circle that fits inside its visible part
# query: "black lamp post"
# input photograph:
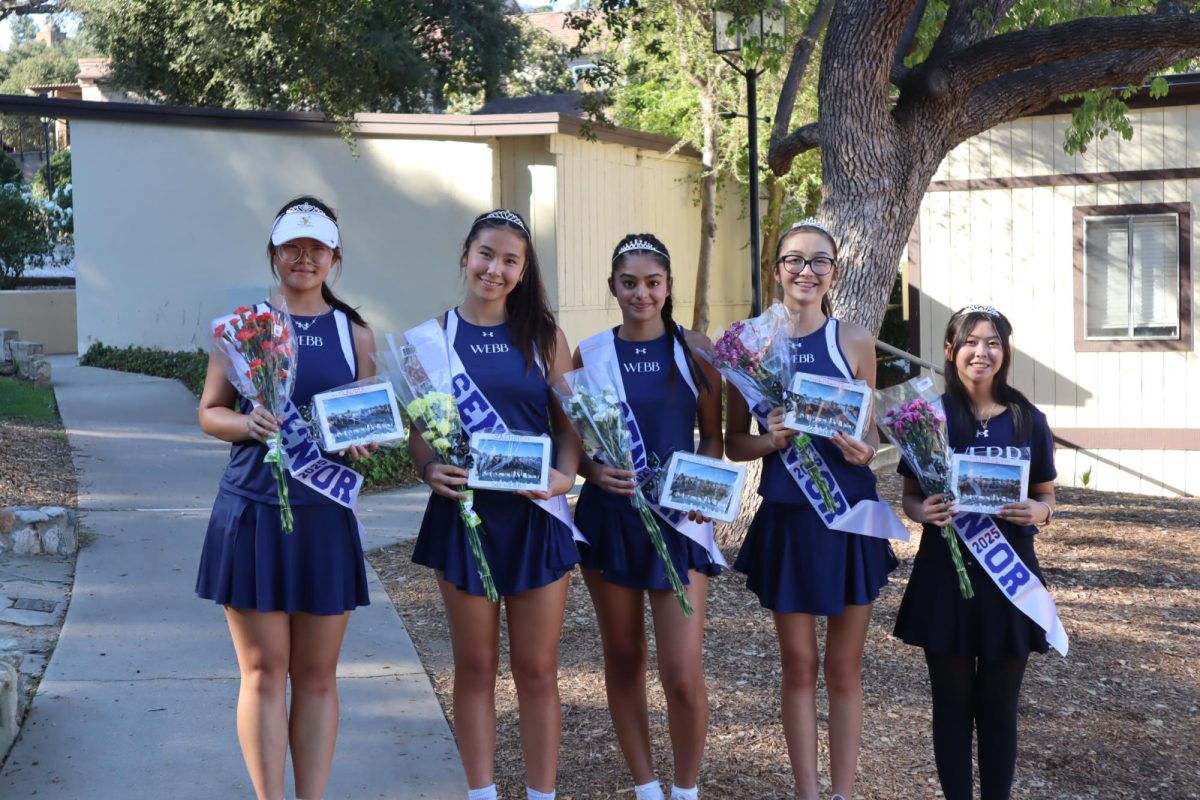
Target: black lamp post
(728, 41)
(46, 141)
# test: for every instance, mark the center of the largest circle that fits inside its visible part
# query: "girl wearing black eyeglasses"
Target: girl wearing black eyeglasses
(799, 567)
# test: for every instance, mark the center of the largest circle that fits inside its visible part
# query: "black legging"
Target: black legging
(971, 694)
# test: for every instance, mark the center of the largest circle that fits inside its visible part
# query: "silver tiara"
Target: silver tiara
(305, 208)
(811, 222)
(976, 308)
(639, 244)
(509, 217)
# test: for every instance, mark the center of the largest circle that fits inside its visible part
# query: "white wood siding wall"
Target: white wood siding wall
(1013, 248)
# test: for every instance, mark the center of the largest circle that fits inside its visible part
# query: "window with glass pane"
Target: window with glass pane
(1131, 277)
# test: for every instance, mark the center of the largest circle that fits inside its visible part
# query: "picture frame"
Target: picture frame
(509, 462)
(822, 406)
(357, 414)
(983, 484)
(699, 483)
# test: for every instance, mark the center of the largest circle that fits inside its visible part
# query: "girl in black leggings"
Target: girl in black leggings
(976, 648)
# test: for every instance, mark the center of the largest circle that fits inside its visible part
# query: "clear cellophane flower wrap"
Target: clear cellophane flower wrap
(427, 401)
(913, 419)
(757, 351)
(590, 400)
(258, 353)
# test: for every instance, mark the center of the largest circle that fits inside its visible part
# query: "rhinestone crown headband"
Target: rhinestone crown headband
(811, 222)
(639, 244)
(976, 308)
(305, 208)
(509, 217)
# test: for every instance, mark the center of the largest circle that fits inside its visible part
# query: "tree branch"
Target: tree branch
(967, 23)
(784, 151)
(899, 71)
(801, 54)
(1024, 92)
(981, 63)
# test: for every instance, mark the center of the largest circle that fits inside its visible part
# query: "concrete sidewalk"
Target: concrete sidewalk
(138, 699)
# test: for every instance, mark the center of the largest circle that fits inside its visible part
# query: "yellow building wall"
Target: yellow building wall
(46, 316)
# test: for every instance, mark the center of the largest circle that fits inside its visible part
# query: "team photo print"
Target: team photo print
(983, 484)
(824, 406)
(707, 485)
(355, 415)
(509, 462)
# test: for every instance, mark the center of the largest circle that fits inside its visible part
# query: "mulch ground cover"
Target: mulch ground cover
(1118, 718)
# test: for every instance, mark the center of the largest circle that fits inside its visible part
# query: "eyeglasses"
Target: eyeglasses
(821, 265)
(292, 253)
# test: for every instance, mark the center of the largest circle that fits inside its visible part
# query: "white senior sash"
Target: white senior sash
(302, 457)
(600, 349)
(436, 346)
(873, 518)
(1006, 569)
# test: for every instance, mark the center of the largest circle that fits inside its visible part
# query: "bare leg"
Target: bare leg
(535, 619)
(619, 610)
(475, 637)
(680, 642)
(844, 643)
(261, 641)
(313, 722)
(798, 653)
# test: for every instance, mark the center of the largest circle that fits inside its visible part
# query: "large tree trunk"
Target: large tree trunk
(770, 235)
(708, 206)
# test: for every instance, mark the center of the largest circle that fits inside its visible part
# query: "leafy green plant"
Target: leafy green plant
(1085, 478)
(26, 237)
(387, 468)
(60, 170)
(10, 171)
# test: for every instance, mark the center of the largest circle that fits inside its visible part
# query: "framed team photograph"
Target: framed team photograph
(699, 483)
(824, 406)
(983, 484)
(509, 462)
(357, 414)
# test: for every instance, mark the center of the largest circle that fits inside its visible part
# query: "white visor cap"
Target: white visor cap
(305, 222)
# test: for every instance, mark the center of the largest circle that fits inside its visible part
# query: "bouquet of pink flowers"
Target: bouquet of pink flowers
(591, 403)
(915, 422)
(258, 352)
(757, 352)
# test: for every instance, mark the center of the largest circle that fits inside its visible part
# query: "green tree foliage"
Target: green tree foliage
(541, 67)
(320, 55)
(24, 29)
(60, 170)
(30, 64)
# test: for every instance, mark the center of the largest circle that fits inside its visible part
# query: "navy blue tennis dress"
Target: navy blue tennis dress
(248, 561)
(792, 561)
(525, 546)
(933, 613)
(665, 409)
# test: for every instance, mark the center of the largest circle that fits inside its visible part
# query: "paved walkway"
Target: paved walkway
(138, 699)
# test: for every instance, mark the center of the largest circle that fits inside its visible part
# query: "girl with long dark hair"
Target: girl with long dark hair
(669, 393)
(976, 649)
(796, 561)
(287, 597)
(504, 344)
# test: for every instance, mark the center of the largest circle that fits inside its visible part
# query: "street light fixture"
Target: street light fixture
(732, 33)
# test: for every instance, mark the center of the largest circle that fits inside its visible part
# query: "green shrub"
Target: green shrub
(25, 236)
(187, 367)
(10, 171)
(387, 468)
(60, 166)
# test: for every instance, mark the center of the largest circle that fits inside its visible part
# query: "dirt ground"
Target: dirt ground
(35, 466)
(1118, 718)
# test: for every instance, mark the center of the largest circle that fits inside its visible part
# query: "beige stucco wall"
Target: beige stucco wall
(1013, 247)
(41, 315)
(171, 223)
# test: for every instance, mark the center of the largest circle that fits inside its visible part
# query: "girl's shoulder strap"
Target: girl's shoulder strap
(589, 345)
(833, 343)
(346, 338)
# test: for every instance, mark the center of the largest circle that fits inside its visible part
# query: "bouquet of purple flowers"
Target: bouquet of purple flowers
(915, 422)
(756, 353)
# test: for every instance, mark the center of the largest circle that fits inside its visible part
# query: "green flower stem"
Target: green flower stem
(274, 457)
(803, 444)
(474, 528)
(950, 534)
(656, 539)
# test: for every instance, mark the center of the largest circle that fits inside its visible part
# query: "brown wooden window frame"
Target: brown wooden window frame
(1184, 342)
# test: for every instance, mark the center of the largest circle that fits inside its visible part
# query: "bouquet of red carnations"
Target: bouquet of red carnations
(257, 348)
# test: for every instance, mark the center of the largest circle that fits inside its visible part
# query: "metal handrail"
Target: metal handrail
(898, 353)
